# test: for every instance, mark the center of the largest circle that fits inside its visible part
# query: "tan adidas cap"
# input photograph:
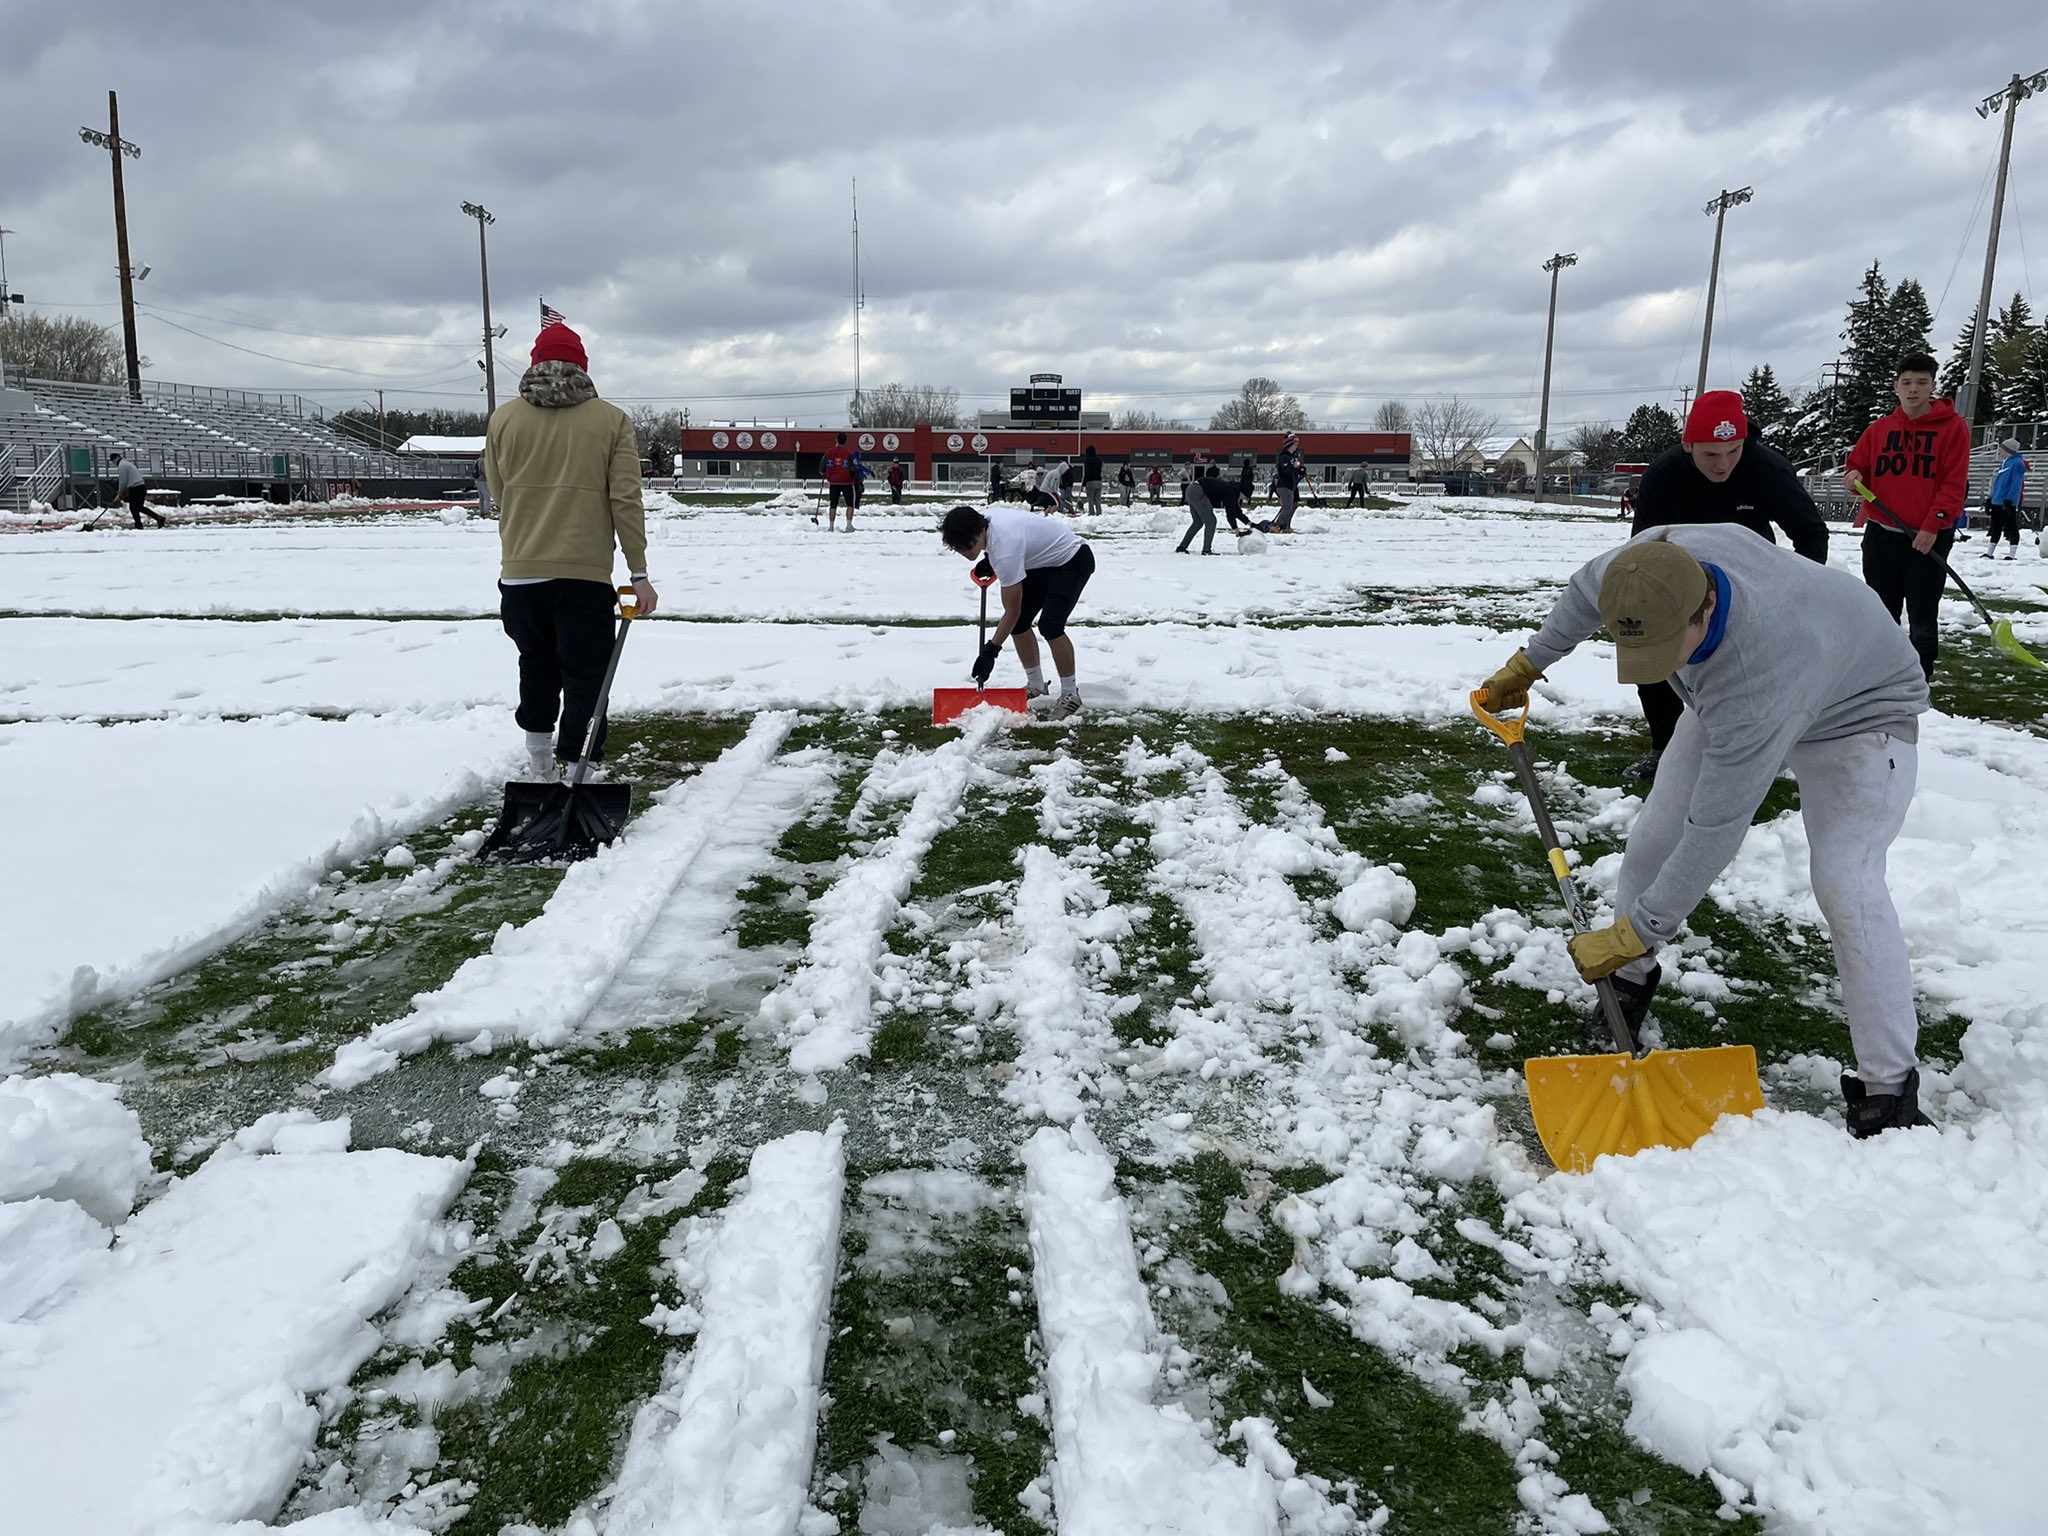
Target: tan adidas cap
(1647, 600)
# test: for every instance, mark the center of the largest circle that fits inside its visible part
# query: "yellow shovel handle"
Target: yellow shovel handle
(629, 606)
(1509, 731)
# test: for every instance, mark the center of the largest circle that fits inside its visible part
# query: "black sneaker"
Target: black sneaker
(1644, 768)
(1869, 1113)
(1634, 997)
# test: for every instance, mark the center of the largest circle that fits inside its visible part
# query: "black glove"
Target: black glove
(983, 571)
(985, 663)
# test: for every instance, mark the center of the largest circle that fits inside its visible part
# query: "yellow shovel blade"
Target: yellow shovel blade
(1587, 1106)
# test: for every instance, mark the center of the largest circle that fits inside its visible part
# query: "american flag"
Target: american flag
(550, 317)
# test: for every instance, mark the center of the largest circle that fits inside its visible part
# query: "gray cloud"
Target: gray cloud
(1154, 199)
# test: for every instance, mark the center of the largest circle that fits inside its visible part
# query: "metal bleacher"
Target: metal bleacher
(182, 432)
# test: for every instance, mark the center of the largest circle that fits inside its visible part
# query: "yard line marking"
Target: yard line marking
(825, 1012)
(539, 982)
(726, 1448)
(1123, 1464)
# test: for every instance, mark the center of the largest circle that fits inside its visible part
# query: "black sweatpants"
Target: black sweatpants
(2005, 519)
(564, 632)
(1903, 577)
(138, 506)
(1661, 707)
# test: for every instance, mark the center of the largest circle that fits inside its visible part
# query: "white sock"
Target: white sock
(540, 743)
(1035, 676)
(1068, 685)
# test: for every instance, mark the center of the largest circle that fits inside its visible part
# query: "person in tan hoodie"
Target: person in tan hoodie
(565, 469)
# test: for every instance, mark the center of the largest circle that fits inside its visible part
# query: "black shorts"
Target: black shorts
(1051, 591)
(843, 493)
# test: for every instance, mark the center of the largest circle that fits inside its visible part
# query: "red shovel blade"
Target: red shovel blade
(949, 704)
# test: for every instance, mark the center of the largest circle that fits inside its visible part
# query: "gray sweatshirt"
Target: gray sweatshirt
(1808, 654)
(131, 476)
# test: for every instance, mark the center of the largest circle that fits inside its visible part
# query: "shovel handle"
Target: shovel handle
(1509, 731)
(629, 604)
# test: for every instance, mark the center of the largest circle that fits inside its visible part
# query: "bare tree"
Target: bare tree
(658, 433)
(1598, 445)
(1130, 419)
(1443, 429)
(1392, 416)
(70, 347)
(905, 405)
(1261, 406)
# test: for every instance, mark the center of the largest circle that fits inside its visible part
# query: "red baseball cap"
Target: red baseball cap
(1716, 417)
(558, 344)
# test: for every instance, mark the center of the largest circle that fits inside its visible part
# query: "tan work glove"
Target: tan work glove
(1509, 687)
(1604, 951)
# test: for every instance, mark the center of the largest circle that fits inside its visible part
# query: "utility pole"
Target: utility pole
(1553, 266)
(7, 296)
(2016, 91)
(859, 303)
(380, 421)
(116, 146)
(1719, 209)
(1684, 404)
(483, 217)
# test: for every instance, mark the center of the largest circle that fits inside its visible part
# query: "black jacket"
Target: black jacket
(1091, 465)
(1763, 490)
(1220, 493)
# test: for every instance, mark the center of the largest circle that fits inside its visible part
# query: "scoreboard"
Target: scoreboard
(1045, 399)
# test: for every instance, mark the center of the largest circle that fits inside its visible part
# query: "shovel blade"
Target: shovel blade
(949, 704)
(2008, 642)
(1592, 1106)
(556, 823)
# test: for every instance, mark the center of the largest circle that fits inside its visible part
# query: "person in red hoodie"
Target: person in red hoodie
(1917, 462)
(837, 467)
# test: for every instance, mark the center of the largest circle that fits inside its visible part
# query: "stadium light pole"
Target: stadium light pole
(7, 296)
(1557, 263)
(116, 146)
(2017, 90)
(1719, 209)
(484, 217)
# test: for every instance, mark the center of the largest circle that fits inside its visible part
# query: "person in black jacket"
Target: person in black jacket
(1716, 475)
(1091, 479)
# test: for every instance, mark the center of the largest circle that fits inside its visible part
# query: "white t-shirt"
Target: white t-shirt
(1051, 479)
(1020, 541)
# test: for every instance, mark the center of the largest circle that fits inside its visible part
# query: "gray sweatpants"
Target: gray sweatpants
(1095, 497)
(1853, 795)
(1285, 520)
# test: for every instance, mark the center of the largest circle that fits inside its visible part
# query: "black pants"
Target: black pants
(564, 633)
(1201, 519)
(1903, 577)
(138, 507)
(841, 493)
(895, 493)
(1051, 591)
(2005, 519)
(1661, 707)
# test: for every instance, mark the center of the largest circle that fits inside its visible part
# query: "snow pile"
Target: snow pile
(70, 1138)
(162, 1384)
(825, 1013)
(727, 1444)
(263, 808)
(539, 981)
(1122, 1466)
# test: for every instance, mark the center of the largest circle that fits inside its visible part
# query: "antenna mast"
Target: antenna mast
(859, 302)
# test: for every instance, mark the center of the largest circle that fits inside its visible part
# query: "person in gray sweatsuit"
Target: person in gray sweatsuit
(128, 485)
(1781, 663)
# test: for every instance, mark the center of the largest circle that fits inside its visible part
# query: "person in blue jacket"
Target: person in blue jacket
(2004, 500)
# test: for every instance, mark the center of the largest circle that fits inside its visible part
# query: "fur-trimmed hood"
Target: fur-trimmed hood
(554, 385)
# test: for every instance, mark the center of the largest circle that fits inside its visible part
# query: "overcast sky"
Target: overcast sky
(1154, 199)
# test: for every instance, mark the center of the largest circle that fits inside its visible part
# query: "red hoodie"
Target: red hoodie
(1919, 469)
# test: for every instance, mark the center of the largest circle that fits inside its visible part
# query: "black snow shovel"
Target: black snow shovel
(561, 823)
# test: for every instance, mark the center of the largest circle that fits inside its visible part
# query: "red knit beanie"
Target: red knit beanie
(1716, 417)
(558, 344)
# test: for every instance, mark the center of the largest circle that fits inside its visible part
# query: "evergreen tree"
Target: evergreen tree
(1766, 405)
(2027, 388)
(1957, 368)
(1650, 430)
(2006, 357)
(1805, 435)
(1908, 319)
(1870, 356)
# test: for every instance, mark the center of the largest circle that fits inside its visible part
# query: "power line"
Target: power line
(293, 361)
(277, 330)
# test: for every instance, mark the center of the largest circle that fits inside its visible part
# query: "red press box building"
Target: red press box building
(961, 454)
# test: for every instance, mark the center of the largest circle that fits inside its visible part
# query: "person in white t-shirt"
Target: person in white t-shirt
(1041, 565)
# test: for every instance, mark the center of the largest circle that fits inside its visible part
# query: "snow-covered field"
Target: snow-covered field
(1024, 985)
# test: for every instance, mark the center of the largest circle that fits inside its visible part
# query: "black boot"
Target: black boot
(1634, 997)
(1869, 1113)
(1644, 769)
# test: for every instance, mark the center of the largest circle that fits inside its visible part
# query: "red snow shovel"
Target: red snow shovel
(949, 704)
(546, 823)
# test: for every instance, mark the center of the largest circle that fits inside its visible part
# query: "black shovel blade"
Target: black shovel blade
(556, 823)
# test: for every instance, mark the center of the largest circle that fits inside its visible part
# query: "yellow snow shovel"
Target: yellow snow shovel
(2001, 629)
(1585, 1106)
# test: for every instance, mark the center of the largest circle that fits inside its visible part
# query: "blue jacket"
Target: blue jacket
(2012, 478)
